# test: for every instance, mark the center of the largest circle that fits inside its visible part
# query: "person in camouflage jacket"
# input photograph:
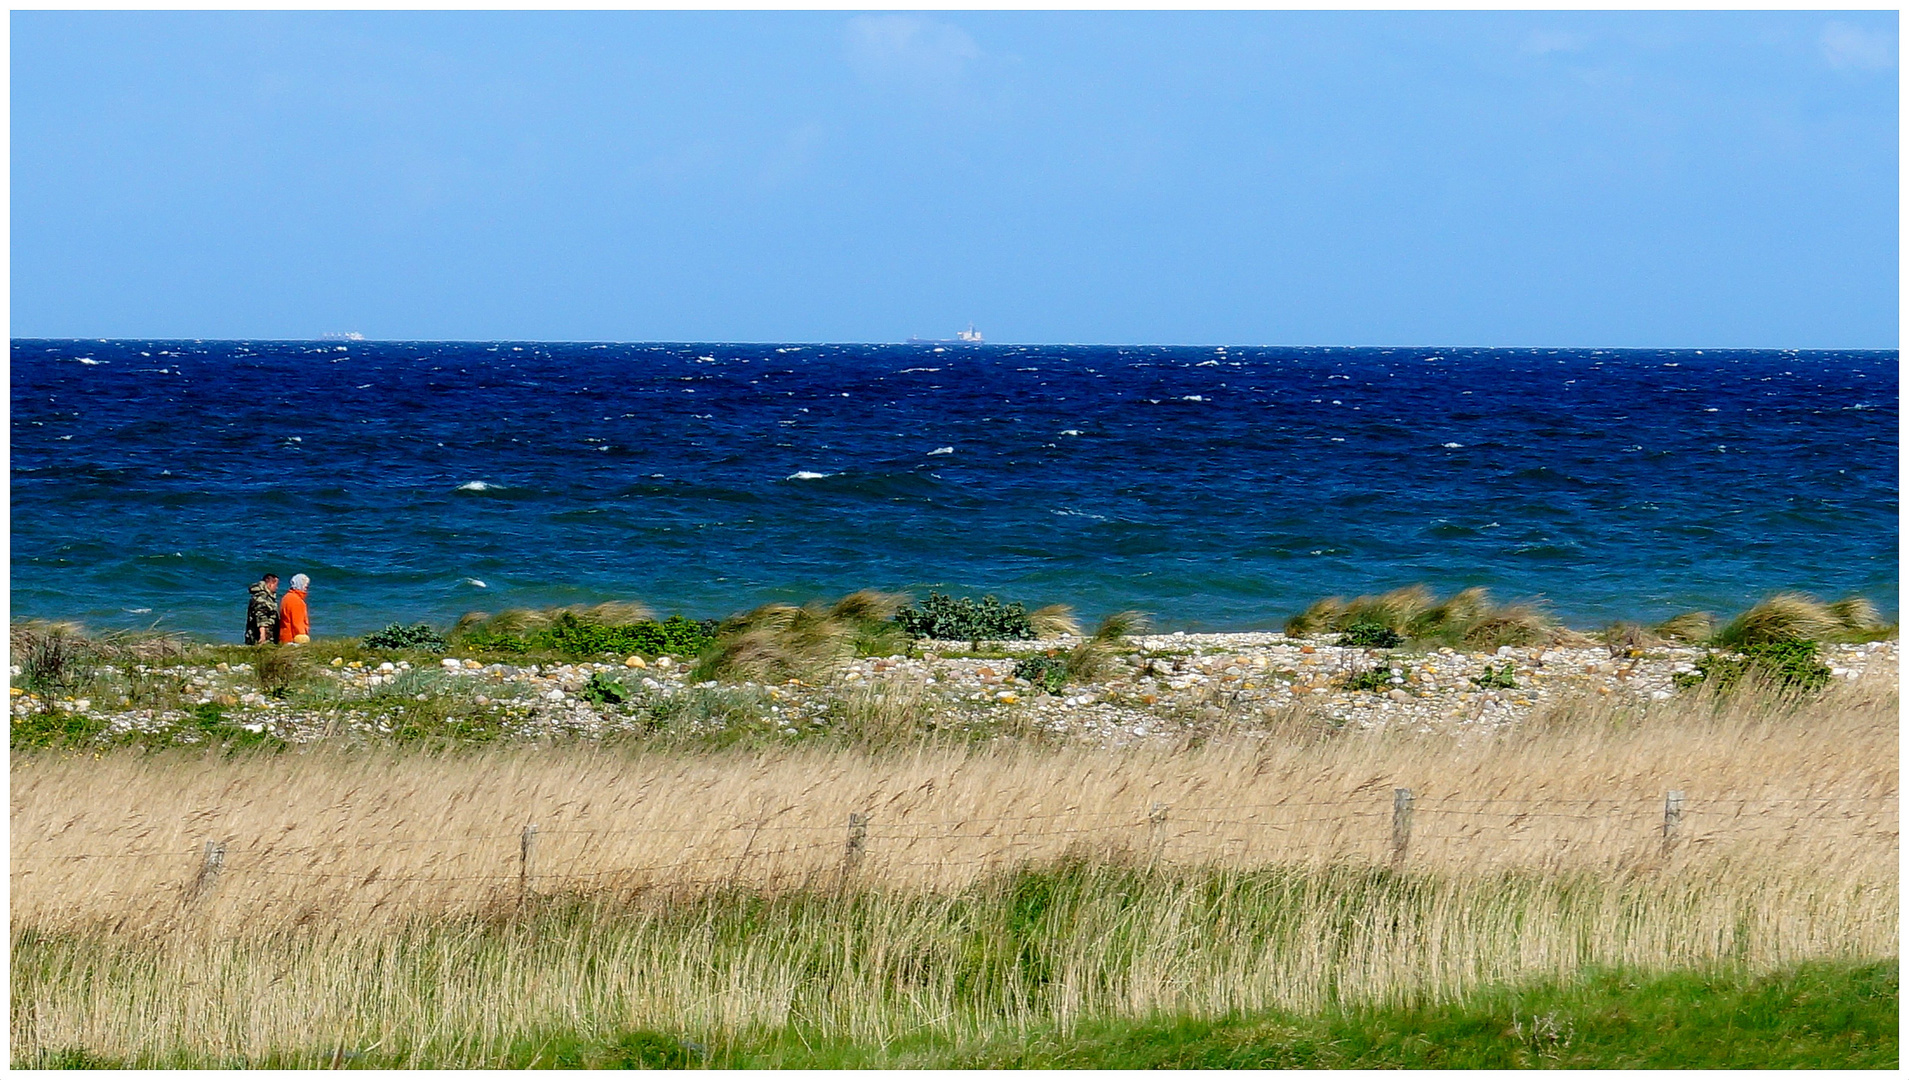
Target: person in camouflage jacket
(261, 614)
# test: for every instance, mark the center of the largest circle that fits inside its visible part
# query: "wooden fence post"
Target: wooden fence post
(527, 847)
(857, 842)
(210, 867)
(1673, 818)
(1401, 823)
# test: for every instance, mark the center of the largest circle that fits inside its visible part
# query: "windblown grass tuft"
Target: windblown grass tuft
(1469, 618)
(786, 641)
(1784, 617)
(521, 622)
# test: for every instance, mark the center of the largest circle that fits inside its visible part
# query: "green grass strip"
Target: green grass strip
(1816, 1016)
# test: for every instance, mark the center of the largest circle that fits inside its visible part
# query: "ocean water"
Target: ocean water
(1218, 488)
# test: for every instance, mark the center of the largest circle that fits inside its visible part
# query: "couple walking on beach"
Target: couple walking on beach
(269, 619)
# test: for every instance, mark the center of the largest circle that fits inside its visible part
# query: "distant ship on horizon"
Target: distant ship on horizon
(970, 336)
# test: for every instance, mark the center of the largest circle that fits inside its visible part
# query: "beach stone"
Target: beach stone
(1398, 695)
(635, 662)
(450, 664)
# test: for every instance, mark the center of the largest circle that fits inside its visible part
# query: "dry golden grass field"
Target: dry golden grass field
(396, 898)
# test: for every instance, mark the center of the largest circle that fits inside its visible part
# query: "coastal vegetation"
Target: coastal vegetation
(1001, 902)
(793, 847)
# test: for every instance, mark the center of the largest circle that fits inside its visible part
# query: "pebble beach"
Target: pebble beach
(1163, 686)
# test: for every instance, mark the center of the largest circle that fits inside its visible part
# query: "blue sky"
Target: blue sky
(1548, 178)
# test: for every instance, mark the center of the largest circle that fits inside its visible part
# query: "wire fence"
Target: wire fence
(571, 855)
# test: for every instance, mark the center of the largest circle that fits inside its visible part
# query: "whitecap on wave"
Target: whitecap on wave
(475, 584)
(475, 485)
(941, 450)
(1453, 445)
(90, 362)
(1193, 397)
(807, 475)
(1071, 431)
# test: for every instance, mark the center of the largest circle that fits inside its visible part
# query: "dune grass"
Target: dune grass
(786, 641)
(1469, 618)
(1793, 616)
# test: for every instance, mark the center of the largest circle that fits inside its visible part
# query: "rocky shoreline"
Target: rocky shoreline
(1154, 686)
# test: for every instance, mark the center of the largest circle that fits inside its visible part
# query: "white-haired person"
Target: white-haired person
(294, 620)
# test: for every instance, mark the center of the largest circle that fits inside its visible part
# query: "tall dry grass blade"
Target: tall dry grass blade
(1054, 620)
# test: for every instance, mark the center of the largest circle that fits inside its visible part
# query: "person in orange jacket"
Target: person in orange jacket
(294, 621)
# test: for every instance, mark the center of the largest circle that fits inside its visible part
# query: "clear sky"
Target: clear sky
(1549, 178)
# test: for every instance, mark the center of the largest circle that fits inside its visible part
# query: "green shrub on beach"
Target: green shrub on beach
(675, 636)
(603, 690)
(621, 629)
(1496, 678)
(946, 618)
(1376, 679)
(420, 636)
(1368, 635)
(1047, 671)
(1787, 665)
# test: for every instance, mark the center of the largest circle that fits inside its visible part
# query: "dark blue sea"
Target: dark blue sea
(1218, 488)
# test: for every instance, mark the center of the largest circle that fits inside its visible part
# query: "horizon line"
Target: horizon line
(337, 339)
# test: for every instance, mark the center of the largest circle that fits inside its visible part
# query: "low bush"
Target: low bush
(575, 636)
(1377, 679)
(1370, 635)
(1496, 678)
(1047, 671)
(395, 636)
(603, 690)
(1788, 665)
(946, 618)
(675, 636)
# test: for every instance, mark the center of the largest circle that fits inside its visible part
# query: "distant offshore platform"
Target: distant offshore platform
(969, 336)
